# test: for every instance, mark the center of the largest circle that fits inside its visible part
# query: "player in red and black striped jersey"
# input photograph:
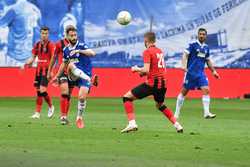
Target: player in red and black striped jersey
(154, 69)
(66, 86)
(43, 50)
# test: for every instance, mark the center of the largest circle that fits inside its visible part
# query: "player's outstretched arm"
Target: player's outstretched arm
(212, 69)
(184, 61)
(87, 52)
(143, 70)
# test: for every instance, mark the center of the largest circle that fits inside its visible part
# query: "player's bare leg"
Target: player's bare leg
(82, 97)
(180, 101)
(128, 99)
(64, 102)
(206, 103)
(77, 72)
(169, 114)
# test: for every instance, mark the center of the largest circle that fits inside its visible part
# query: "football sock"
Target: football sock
(81, 107)
(39, 102)
(68, 105)
(168, 113)
(63, 105)
(206, 102)
(47, 99)
(179, 104)
(129, 108)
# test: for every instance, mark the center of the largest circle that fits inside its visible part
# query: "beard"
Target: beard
(73, 42)
(202, 40)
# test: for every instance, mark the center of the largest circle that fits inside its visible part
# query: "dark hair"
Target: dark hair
(70, 28)
(150, 36)
(44, 28)
(202, 29)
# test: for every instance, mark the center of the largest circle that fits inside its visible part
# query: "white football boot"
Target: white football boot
(209, 115)
(51, 112)
(36, 115)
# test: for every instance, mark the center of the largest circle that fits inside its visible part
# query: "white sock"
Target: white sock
(179, 104)
(132, 122)
(81, 108)
(79, 73)
(206, 102)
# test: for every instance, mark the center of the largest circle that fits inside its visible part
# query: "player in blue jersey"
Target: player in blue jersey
(76, 59)
(195, 56)
(21, 18)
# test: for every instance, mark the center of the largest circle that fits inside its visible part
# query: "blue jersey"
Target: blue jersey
(81, 61)
(198, 55)
(21, 18)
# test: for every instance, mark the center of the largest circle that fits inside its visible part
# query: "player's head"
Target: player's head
(70, 26)
(202, 35)
(44, 31)
(149, 39)
(71, 34)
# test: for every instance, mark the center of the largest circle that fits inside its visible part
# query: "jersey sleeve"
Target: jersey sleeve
(84, 46)
(65, 55)
(146, 57)
(208, 54)
(6, 19)
(35, 49)
(188, 49)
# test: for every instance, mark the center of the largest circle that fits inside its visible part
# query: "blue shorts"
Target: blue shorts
(195, 82)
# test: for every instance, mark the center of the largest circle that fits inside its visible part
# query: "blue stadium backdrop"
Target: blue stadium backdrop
(175, 22)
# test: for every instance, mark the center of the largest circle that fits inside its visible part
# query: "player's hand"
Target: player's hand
(216, 75)
(49, 76)
(134, 68)
(184, 69)
(22, 67)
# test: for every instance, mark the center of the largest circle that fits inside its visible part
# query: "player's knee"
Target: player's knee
(64, 91)
(43, 94)
(82, 98)
(125, 99)
(39, 94)
(66, 96)
(206, 91)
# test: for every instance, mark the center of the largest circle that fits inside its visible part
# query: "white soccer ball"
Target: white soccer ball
(124, 17)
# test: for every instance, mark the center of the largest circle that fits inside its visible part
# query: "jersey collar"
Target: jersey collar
(151, 46)
(73, 47)
(201, 44)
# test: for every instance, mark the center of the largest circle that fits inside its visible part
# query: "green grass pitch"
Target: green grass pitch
(222, 142)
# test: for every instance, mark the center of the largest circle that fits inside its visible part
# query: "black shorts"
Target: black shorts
(41, 79)
(64, 78)
(144, 90)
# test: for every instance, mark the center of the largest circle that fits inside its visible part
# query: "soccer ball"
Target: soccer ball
(124, 17)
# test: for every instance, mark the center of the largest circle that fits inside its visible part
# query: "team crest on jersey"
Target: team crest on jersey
(200, 53)
(45, 49)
